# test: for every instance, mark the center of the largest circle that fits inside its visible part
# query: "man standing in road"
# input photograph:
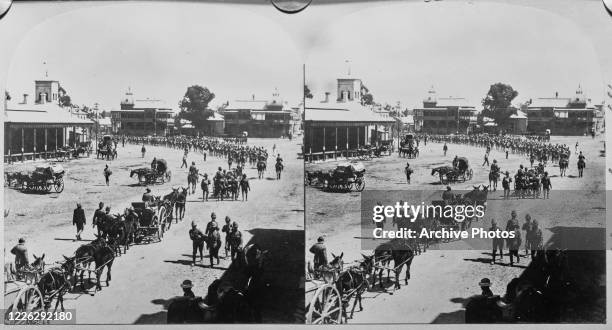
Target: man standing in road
(143, 150)
(527, 228)
(197, 239)
(78, 220)
(320, 253)
(445, 148)
(498, 243)
(235, 240)
(408, 172)
(245, 187)
(514, 244)
(204, 185)
(506, 185)
(486, 159)
(227, 229)
(214, 244)
(184, 161)
(98, 217)
(546, 185)
(107, 174)
(21, 255)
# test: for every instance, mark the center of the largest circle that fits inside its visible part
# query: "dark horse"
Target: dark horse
(98, 252)
(226, 302)
(179, 205)
(442, 171)
(261, 168)
(279, 168)
(55, 283)
(399, 250)
(354, 282)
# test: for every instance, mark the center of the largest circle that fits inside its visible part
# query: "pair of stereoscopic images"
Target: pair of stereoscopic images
(205, 163)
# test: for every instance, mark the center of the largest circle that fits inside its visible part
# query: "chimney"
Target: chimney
(556, 94)
(25, 99)
(326, 100)
(43, 98)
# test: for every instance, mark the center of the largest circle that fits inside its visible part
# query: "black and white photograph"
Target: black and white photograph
(481, 104)
(151, 171)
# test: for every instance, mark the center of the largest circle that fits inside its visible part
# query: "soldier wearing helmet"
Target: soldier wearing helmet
(235, 240)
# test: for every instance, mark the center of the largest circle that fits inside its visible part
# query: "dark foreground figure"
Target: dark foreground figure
(558, 286)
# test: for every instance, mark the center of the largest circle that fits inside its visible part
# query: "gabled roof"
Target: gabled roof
(343, 112)
(48, 113)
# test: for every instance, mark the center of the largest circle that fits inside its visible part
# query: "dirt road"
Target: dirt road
(148, 276)
(443, 279)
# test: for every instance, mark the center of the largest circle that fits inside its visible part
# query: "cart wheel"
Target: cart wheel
(59, 185)
(359, 185)
(325, 307)
(47, 186)
(29, 299)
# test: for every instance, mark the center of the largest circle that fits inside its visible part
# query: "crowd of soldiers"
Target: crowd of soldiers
(234, 149)
(534, 146)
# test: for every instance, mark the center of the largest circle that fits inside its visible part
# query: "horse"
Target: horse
(171, 199)
(192, 182)
(29, 273)
(261, 168)
(441, 171)
(279, 168)
(224, 304)
(355, 281)
(402, 253)
(563, 165)
(56, 282)
(179, 206)
(493, 179)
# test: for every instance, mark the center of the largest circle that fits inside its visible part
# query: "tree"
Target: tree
(64, 98)
(194, 105)
(498, 103)
(367, 99)
(307, 93)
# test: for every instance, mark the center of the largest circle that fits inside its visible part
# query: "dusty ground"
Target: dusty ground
(442, 279)
(149, 275)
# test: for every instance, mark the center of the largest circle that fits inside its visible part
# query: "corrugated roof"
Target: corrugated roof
(150, 104)
(549, 102)
(454, 102)
(48, 113)
(246, 105)
(343, 112)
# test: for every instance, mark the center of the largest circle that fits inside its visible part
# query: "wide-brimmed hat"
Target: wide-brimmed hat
(186, 284)
(321, 239)
(193, 224)
(148, 189)
(485, 282)
(21, 240)
(213, 215)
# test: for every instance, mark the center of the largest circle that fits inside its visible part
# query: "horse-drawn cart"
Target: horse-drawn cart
(21, 295)
(43, 179)
(323, 303)
(347, 176)
(151, 222)
(460, 171)
(157, 173)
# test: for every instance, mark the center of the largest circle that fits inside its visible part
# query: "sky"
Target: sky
(399, 49)
(158, 50)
